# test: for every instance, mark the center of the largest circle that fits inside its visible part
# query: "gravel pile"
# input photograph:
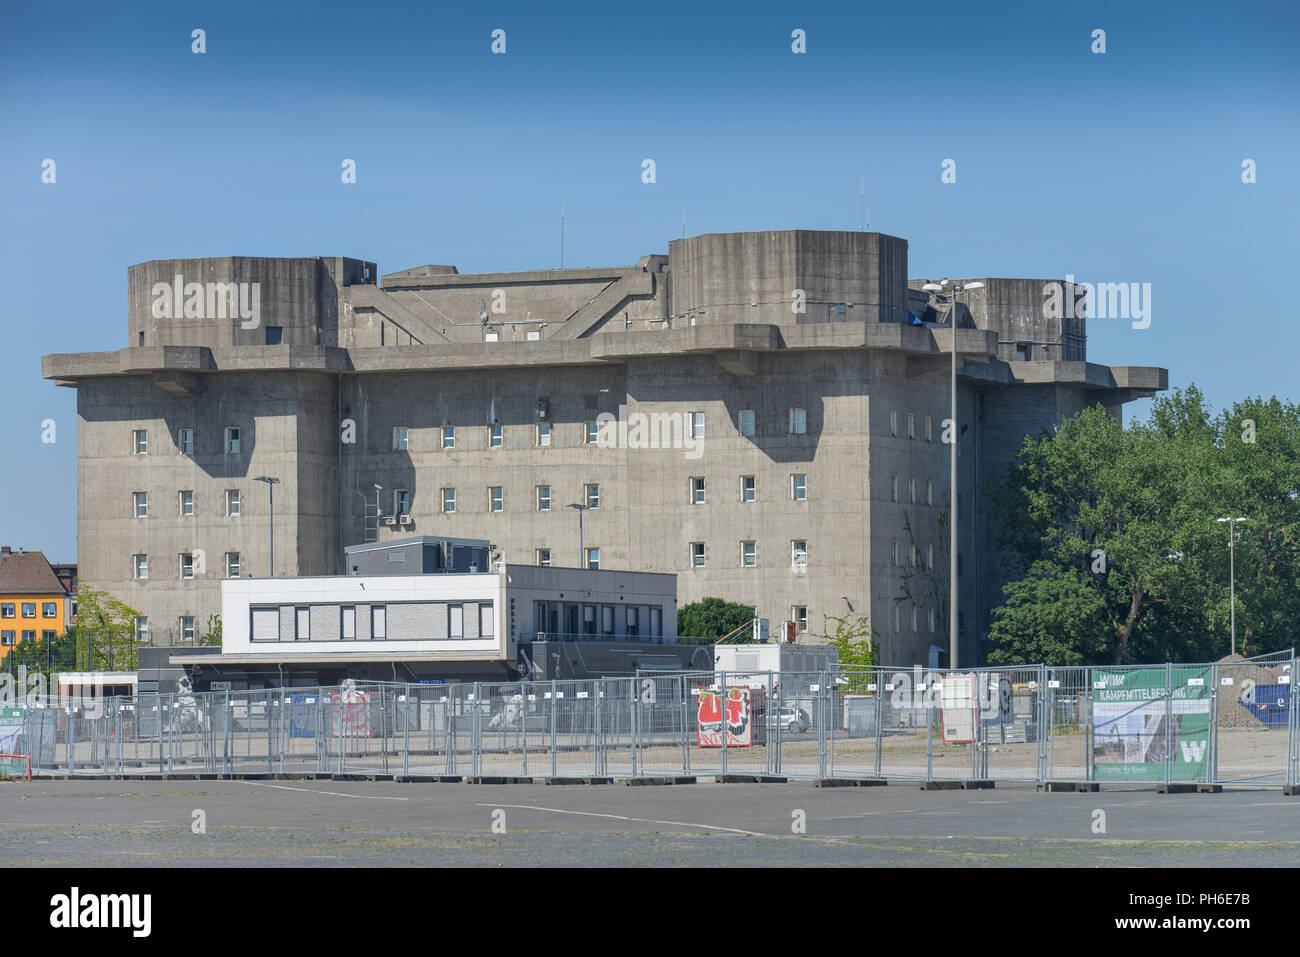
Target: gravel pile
(1243, 673)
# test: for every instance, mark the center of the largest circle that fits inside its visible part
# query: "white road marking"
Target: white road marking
(283, 787)
(639, 820)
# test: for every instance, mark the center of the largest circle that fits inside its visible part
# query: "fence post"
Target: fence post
(821, 724)
(1169, 693)
(633, 723)
(554, 711)
(722, 712)
(406, 731)
(685, 696)
(1293, 731)
(1212, 759)
(876, 682)
(929, 730)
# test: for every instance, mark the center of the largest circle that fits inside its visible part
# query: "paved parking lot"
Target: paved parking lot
(84, 823)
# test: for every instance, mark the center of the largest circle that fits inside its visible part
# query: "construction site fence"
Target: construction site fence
(1226, 723)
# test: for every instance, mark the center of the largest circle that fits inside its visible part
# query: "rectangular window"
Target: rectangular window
(495, 436)
(893, 552)
(800, 617)
(748, 554)
(798, 421)
(142, 629)
(456, 621)
(141, 566)
(607, 620)
(29, 634)
(914, 618)
(302, 624)
(348, 622)
(911, 425)
(187, 629)
(187, 566)
(748, 488)
(399, 438)
(697, 554)
(543, 434)
(747, 423)
(932, 619)
(799, 553)
(187, 502)
(633, 622)
(185, 441)
(911, 486)
(588, 619)
(401, 501)
(486, 621)
(232, 502)
(799, 487)
(274, 335)
(929, 556)
(1023, 351)
(449, 500)
(6, 637)
(266, 624)
(893, 421)
(141, 500)
(593, 558)
(592, 493)
(29, 609)
(232, 564)
(7, 609)
(543, 498)
(378, 622)
(232, 441)
(697, 425)
(893, 488)
(928, 434)
(448, 436)
(140, 441)
(495, 498)
(49, 609)
(896, 618)
(697, 491)
(544, 558)
(929, 491)
(48, 635)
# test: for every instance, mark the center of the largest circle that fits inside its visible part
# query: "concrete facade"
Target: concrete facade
(841, 360)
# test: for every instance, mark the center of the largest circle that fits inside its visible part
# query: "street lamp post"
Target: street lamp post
(1232, 576)
(270, 488)
(582, 554)
(954, 289)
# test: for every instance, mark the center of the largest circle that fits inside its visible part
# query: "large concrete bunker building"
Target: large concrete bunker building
(759, 413)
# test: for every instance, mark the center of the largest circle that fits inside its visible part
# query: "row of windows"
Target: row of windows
(915, 617)
(185, 441)
(911, 425)
(590, 558)
(495, 499)
(185, 503)
(911, 489)
(7, 637)
(266, 622)
(188, 566)
(49, 609)
(749, 554)
(748, 488)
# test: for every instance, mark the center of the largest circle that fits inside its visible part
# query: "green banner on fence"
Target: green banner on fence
(1138, 722)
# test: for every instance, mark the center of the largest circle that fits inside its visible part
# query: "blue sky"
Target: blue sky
(1115, 167)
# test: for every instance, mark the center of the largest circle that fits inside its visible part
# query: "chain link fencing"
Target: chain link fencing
(1234, 722)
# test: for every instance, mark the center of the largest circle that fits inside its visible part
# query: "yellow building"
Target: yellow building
(34, 602)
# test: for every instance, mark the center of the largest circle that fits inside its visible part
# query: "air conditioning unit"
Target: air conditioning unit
(404, 520)
(389, 519)
(542, 408)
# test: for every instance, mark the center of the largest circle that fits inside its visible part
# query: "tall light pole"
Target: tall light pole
(954, 289)
(582, 554)
(1232, 576)
(270, 488)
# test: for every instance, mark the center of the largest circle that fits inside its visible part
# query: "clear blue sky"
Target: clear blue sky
(1118, 167)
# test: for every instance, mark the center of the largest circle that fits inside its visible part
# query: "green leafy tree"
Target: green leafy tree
(856, 642)
(44, 656)
(213, 635)
(106, 636)
(710, 619)
(1126, 512)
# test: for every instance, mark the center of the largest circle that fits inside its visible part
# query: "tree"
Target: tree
(1126, 512)
(40, 655)
(856, 642)
(106, 632)
(213, 635)
(921, 585)
(710, 619)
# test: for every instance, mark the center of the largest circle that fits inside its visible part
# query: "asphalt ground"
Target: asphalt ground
(87, 823)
